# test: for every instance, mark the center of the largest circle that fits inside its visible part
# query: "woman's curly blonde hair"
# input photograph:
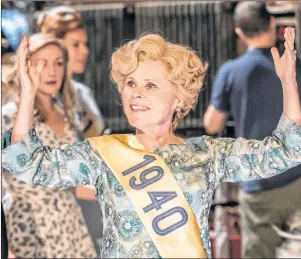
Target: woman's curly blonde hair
(186, 70)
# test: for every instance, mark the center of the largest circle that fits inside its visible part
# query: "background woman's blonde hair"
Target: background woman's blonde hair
(58, 21)
(186, 70)
(11, 83)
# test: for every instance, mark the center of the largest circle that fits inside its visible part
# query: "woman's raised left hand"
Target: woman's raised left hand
(285, 65)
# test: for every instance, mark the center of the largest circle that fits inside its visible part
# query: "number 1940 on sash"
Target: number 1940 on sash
(157, 198)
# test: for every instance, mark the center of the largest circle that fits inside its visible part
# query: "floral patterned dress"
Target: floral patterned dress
(44, 222)
(198, 165)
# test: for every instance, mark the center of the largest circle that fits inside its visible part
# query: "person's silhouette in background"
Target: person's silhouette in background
(249, 89)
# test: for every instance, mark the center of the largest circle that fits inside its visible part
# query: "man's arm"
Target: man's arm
(214, 120)
(217, 111)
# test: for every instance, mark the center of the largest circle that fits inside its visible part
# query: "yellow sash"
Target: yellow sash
(156, 196)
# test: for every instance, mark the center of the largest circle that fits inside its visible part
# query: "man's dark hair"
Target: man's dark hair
(252, 18)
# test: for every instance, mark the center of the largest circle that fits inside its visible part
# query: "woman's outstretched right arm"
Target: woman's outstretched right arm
(64, 167)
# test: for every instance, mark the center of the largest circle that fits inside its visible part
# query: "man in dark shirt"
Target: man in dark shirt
(250, 90)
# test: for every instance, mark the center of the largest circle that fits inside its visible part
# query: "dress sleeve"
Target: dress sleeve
(237, 160)
(64, 167)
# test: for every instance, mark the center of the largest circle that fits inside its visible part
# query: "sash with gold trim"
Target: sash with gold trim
(155, 194)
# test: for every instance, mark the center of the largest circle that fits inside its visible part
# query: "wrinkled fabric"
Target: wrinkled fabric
(198, 165)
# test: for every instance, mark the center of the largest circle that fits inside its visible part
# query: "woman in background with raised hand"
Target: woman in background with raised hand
(66, 24)
(43, 222)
